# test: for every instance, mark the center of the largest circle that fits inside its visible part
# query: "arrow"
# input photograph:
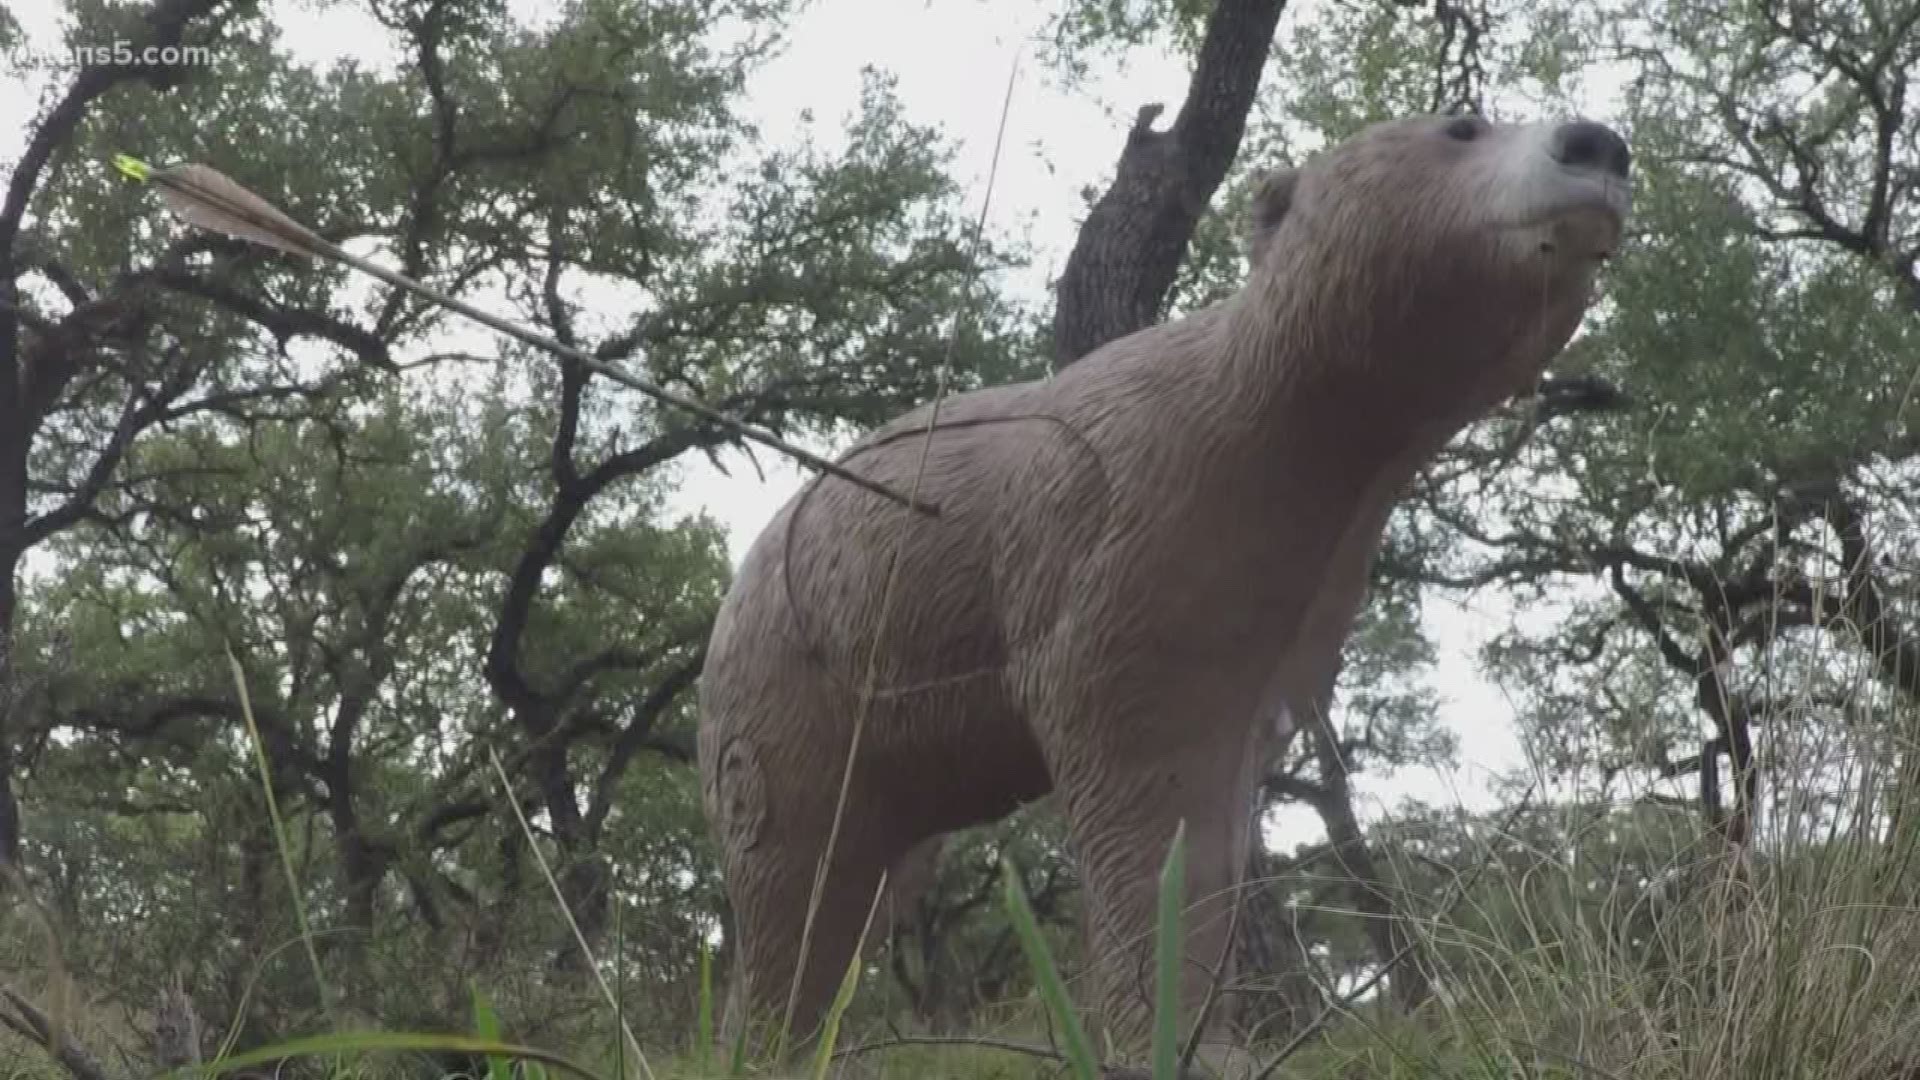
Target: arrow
(208, 199)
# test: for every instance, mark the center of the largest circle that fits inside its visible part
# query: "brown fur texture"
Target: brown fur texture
(1144, 567)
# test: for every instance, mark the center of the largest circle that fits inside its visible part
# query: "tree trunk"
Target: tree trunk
(1134, 239)
(583, 874)
(363, 863)
(1385, 928)
(13, 544)
(586, 884)
(1279, 997)
(12, 702)
(362, 868)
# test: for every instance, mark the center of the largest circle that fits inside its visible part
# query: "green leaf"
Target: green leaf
(830, 1031)
(1167, 952)
(703, 1028)
(486, 1024)
(372, 1041)
(1053, 992)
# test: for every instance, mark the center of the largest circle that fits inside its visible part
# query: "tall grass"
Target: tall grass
(1795, 957)
(1799, 959)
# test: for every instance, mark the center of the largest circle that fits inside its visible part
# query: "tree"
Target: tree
(1727, 529)
(424, 549)
(213, 446)
(1131, 246)
(42, 354)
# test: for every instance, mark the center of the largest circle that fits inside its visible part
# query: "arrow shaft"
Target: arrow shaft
(299, 237)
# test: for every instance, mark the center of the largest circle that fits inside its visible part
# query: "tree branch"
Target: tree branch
(27, 1020)
(284, 323)
(634, 736)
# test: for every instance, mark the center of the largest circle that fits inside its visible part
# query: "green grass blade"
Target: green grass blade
(486, 1024)
(703, 1029)
(737, 1061)
(1047, 977)
(843, 997)
(357, 1042)
(830, 1032)
(619, 988)
(1166, 951)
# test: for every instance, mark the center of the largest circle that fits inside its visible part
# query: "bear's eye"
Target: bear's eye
(1464, 128)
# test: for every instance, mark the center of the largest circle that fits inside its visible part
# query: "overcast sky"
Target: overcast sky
(952, 59)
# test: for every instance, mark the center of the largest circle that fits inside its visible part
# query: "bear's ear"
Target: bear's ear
(1271, 198)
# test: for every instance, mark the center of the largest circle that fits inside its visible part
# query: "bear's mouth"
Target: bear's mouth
(1580, 218)
(1586, 230)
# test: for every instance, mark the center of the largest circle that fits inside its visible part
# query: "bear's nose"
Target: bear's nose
(1584, 143)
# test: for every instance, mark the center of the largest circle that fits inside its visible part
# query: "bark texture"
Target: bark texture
(1132, 243)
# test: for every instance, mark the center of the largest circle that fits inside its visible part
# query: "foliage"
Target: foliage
(1737, 520)
(1083, 32)
(424, 548)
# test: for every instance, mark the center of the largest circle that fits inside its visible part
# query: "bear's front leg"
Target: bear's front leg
(1136, 749)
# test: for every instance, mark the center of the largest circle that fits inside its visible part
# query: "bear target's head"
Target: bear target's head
(1552, 188)
(1447, 228)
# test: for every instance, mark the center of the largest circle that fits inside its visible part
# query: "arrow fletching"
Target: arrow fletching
(204, 197)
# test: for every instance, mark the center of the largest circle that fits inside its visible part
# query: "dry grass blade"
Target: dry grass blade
(593, 964)
(1045, 1053)
(1461, 888)
(849, 982)
(280, 832)
(1215, 985)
